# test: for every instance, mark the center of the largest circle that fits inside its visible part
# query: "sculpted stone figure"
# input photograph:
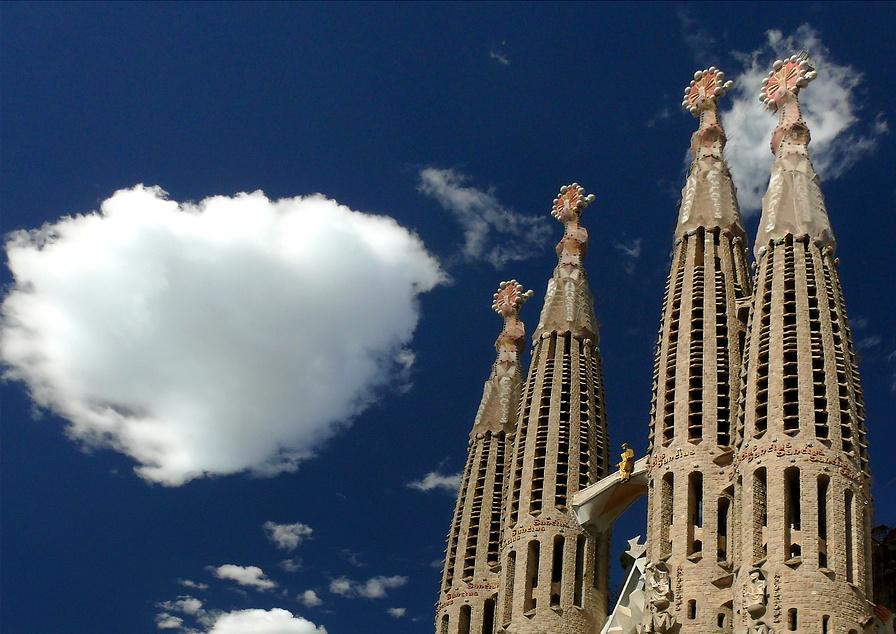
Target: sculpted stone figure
(760, 628)
(659, 597)
(756, 593)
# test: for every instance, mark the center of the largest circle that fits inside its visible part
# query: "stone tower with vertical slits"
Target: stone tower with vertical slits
(467, 600)
(801, 469)
(553, 576)
(695, 386)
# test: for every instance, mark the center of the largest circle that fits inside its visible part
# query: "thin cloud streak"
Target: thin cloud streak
(492, 232)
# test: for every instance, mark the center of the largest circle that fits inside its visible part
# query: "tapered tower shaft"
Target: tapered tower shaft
(801, 469)
(554, 573)
(467, 600)
(697, 366)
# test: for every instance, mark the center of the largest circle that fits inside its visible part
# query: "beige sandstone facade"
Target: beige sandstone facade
(554, 573)
(801, 472)
(695, 390)
(467, 602)
(757, 476)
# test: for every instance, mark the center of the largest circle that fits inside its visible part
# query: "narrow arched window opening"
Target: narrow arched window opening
(792, 520)
(823, 485)
(532, 565)
(667, 510)
(557, 569)
(692, 609)
(791, 620)
(578, 591)
(488, 616)
(723, 518)
(695, 513)
(760, 515)
(463, 622)
(847, 517)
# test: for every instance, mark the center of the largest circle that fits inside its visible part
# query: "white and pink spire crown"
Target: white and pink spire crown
(704, 90)
(794, 203)
(708, 199)
(507, 302)
(568, 207)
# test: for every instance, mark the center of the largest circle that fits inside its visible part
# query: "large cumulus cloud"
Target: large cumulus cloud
(233, 334)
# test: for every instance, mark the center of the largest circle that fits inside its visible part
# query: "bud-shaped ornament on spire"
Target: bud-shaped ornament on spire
(708, 199)
(568, 207)
(568, 304)
(794, 203)
(507, 302)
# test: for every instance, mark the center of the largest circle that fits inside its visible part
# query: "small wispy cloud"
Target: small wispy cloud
(499, 57)
(434, 480)
(397, 612)
(661, 115)
(492, 231)
(287, 536)
(891, 358)
(309, 599)
(195, 585)
(373, 588)
(829, 104)
(700, 42)
(498, 54)
(871, 341)
(251, 576)
(292, 564)
(631, 253)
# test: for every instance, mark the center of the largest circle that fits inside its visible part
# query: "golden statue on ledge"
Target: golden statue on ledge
(627, 464)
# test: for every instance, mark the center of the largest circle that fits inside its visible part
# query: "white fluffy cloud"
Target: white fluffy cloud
(287, 536)
(435, 480)
(309, 599)
(839, 138)
(492, 232)
(233, 334)
(373, 588)
(397, 613)
(275, 621)
(252, 576)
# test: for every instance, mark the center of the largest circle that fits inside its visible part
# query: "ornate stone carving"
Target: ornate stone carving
(658, 618)
(708, 198)
(756, 593)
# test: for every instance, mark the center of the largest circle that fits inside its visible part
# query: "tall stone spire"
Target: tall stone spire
(553, 572)
(695, 386)
(793, 203)
(470, 573)
(568, 304)
(708, 199)
(801, 470)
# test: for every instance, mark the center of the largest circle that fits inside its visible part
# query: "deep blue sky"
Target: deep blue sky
(353, 100)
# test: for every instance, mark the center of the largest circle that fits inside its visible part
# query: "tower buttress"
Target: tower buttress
(553, 572)
(691, 554)
(467, 597)
(801, 470)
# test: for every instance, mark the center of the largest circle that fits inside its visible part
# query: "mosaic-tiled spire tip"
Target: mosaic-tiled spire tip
(787, 76)
(705, 89)
(510, 298)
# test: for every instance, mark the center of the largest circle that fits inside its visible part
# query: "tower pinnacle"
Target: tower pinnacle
(568, 207)
(708, 199)
(794, 203)
(568, 304)
(508, 301)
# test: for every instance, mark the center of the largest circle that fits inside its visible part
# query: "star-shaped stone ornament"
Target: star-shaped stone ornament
(635, 550)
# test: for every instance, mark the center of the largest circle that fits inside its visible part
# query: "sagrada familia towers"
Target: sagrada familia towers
(756, 477)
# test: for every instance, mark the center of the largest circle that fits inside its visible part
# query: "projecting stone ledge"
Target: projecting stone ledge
(601, 503)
